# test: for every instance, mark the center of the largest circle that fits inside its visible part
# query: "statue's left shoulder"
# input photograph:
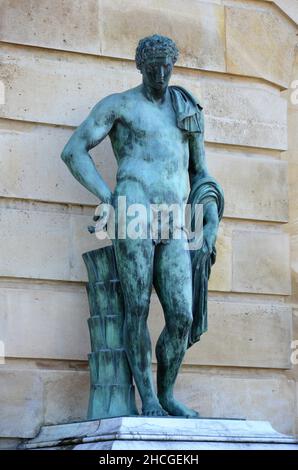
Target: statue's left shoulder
(188, 110)
(187, 95)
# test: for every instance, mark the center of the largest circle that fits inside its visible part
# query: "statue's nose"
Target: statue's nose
(161, 75)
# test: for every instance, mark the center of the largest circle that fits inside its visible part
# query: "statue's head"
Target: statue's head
(155, 58)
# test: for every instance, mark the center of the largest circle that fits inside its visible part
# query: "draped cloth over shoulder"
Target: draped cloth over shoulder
(187, 109)
(203, 191)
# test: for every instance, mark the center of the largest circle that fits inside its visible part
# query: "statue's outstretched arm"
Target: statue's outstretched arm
(89, 134)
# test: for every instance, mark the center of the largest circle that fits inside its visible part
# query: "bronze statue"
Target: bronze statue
(157, 135)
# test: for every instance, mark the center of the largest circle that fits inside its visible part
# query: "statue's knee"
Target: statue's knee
(182, 323)
(187, 321)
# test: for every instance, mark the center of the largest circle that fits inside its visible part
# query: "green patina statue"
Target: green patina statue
(157, 135)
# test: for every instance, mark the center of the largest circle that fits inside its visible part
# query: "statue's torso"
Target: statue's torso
(151, 151)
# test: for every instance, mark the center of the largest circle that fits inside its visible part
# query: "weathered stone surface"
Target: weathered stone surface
(260, 42)
(65, 396)
(291, 157)
(143, 432)
(21, 407)
(244, 113)
(30, 398)
(292, 129)
(49, 246)
(44, 322)
(127, 445)
(51, 323)
(200, 29)
(221, 274)
(296, 420)
(197, 27)
(67, 24)
(113, 29)
(236, 113)
(292, 228)
(9, 444)
(288, 7)
(215, 393)
(222, 394)
(247, 182)
(261, 262)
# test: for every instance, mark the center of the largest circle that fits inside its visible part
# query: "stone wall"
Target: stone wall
(291, 156)
(58, 58)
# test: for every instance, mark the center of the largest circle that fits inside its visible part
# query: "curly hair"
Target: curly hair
(151, 45)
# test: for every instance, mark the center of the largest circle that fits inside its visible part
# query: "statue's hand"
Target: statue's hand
(210, 227)
(210, 235)
(101, 217)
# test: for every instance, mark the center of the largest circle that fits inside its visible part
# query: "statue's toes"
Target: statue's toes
(158, 411)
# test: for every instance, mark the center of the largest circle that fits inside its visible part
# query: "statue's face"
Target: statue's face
(157, 72)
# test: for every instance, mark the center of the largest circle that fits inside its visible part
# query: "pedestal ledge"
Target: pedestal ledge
(134, 433)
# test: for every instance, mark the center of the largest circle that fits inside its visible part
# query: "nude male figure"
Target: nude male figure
(155, 158)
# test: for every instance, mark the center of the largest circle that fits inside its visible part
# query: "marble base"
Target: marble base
(144, 433)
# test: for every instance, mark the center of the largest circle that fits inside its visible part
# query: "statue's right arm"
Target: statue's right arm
(89, 134)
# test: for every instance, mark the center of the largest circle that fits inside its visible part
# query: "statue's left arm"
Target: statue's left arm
(204, 189)
(198, 171)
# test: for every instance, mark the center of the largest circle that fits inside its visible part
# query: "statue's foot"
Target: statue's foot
(176, 408)
(153, 409)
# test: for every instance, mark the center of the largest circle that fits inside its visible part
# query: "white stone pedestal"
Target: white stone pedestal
(142, 433)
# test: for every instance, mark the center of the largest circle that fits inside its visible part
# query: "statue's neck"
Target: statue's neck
(154, 95)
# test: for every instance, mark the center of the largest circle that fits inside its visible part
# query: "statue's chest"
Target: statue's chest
(149, 121)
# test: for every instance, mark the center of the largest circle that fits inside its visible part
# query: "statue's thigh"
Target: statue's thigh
(173, 277)
(135, 267)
